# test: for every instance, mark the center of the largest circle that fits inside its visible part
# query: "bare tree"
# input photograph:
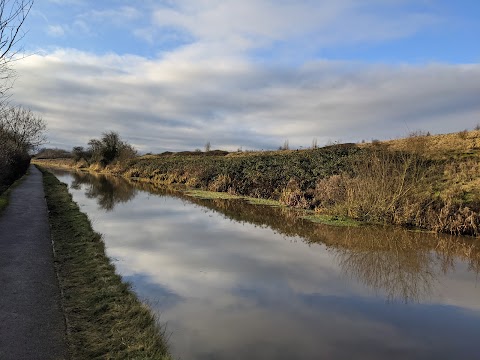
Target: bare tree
(20, 130)
(285, 146)
(13, 14)
(25, 129)
(208, 146)
(108, 149)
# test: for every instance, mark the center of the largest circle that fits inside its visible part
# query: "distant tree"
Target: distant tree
(111, 144)
(207, 146)
(78, 153)
(314, 143)
(285, 146)
(109, 148)
(46, 153)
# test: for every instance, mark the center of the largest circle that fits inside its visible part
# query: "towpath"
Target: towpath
(31, 320)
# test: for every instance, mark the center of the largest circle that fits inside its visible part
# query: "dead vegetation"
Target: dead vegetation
(426, 181)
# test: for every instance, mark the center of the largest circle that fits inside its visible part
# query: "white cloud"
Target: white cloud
(55, 30)
(117, 16)
(175, 105)
(239, 26)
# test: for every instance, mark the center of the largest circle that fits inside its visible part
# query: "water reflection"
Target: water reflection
(109, 191)
(234, 282)
(399, 263)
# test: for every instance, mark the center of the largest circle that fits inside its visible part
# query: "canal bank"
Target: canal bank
(104, 317)
(234, 280)
(400, 183)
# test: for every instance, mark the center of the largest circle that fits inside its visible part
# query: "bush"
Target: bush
(20, 132)
(380, 186)
(110, 148)
(463, 134)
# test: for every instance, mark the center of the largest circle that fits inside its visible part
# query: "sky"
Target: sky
(249, 74)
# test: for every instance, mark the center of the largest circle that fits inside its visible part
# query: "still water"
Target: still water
(236, 281)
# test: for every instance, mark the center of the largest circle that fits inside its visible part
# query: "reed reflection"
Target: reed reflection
(403, 265)
(400, 264)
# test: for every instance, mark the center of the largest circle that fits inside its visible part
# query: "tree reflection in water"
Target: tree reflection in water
(401, 264)
(108, 190)
(398, 263)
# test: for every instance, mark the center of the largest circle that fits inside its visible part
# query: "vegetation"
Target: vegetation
(105, 320)
(20, 132)
(331, 220)
(109, 149)
(47, 153)
(424, 181)
(401, 263)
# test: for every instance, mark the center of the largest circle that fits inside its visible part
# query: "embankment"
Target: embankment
(105, 320)
(402, 183)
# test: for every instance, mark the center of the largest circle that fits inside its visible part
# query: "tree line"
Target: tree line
(20, 129)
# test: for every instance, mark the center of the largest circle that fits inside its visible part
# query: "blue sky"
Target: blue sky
(250, 73)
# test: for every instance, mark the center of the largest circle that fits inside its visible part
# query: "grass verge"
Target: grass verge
(105, 319)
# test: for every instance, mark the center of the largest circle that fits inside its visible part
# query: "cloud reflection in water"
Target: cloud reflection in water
(234, 281)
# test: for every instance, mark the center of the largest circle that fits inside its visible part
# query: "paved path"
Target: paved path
(31, 321)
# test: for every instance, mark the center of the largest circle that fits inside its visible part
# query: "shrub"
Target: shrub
(108, 149)
(463, 134)
(20, 133)
(380, 185)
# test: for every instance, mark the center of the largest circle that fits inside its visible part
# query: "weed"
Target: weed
(463, 134)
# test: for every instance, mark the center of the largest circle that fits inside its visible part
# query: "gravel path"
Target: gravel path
(31, 320)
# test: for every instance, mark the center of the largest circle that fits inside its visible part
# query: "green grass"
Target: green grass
(332, 220)
(266, 202)
(209, 195)
(202, 194)
(105, 319)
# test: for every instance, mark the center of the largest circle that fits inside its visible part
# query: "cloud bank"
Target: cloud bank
(172, 104)
(241, 74)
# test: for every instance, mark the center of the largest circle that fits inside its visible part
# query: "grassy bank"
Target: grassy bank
(105, 320)
(429, 182)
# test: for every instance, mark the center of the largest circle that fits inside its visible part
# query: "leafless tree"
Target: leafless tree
(25, 129)
(109, 148)
(13, 14)
(20, 130)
